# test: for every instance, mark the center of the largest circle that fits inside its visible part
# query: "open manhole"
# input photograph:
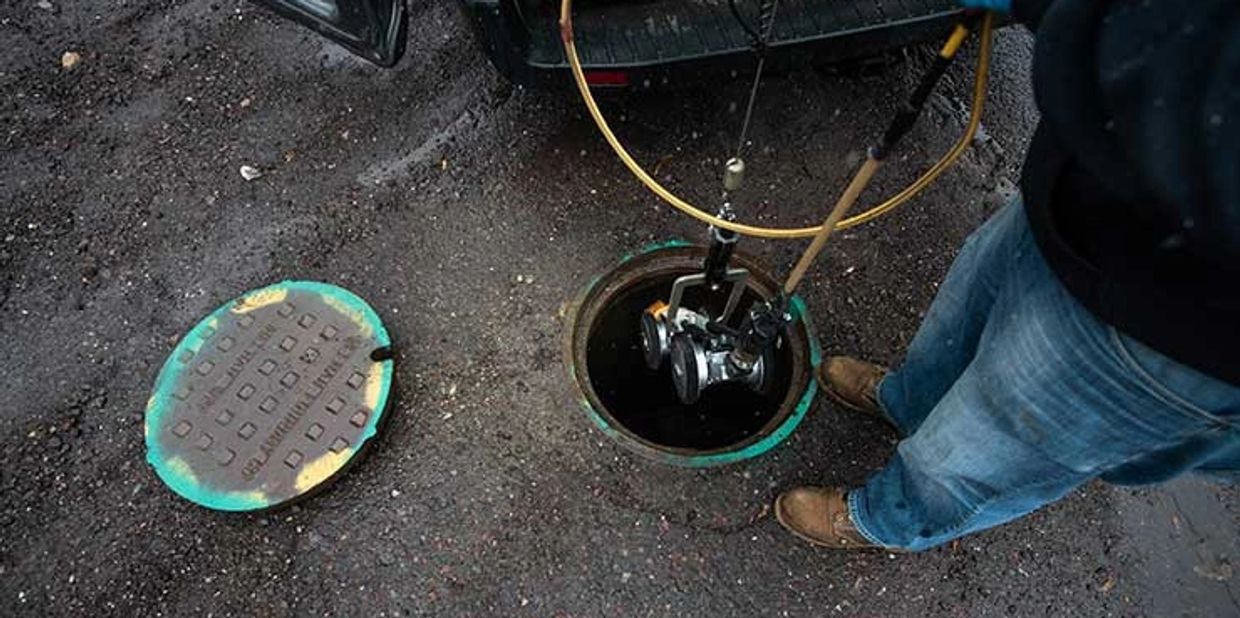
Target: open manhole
(638, 407)
(269, 397)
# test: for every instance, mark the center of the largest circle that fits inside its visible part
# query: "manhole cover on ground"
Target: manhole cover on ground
(269, 397)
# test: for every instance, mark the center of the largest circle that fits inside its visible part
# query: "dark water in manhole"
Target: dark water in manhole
(645, 402)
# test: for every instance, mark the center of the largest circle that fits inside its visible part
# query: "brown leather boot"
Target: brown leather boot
(852, 383)
(819, 515)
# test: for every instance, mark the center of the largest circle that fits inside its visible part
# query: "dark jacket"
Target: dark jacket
(1132, 181)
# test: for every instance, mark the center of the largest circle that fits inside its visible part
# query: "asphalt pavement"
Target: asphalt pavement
(467, 212)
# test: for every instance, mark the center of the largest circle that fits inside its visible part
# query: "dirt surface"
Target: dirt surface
(467, 212)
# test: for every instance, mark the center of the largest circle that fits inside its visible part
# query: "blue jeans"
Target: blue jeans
(1012, 394)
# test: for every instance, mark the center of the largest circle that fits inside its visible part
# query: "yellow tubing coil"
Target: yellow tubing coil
(975, 120)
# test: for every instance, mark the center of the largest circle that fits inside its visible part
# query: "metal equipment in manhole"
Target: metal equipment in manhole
(700, 345)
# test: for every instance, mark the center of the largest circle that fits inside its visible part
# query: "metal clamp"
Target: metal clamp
(738, 277)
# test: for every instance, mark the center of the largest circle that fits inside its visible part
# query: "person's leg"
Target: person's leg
(947, 339)
(1215, 453)
(1052, 398)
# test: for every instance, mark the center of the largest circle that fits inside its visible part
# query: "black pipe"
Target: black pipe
(761, 328)
(911, 108)
(719, 255)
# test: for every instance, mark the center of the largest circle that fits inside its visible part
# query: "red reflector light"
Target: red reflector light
(607, 78)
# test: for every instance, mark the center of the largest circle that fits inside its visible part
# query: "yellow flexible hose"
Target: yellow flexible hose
(975, 120)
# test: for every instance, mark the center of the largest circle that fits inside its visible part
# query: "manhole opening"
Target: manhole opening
(644, 402)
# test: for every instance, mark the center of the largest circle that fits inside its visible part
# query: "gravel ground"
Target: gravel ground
(429, 189)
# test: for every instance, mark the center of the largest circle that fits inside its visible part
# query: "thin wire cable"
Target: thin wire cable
(761, 40)
(936, 170)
